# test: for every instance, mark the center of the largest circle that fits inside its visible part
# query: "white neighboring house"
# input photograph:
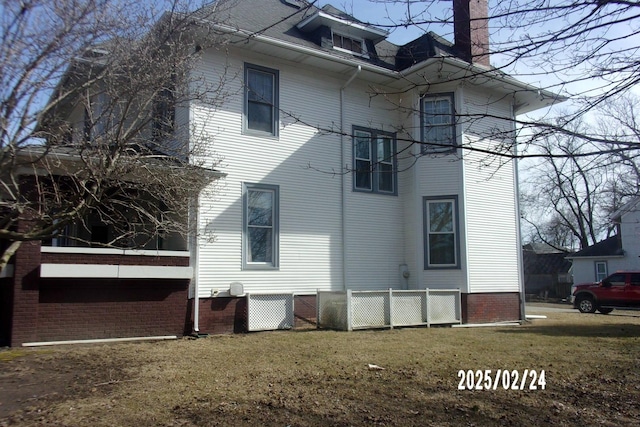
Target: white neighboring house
(618, 252)
(325, 186)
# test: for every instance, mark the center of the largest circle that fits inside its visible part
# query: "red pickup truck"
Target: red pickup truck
(621, 289)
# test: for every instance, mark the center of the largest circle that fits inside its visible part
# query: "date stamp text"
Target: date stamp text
(489, 379)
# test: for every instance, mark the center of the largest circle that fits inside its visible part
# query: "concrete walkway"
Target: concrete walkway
(542, 308)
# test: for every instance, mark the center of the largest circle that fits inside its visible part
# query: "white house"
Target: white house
(618, 252)
(341, 167)
(344, 170)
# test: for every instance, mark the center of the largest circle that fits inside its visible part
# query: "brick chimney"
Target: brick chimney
(471, 30)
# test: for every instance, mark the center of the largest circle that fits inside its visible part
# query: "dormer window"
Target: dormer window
(347, 33)
(350, 44)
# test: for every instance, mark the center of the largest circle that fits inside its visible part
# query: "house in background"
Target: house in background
(618, 252)
(546, 271)
(342, 172)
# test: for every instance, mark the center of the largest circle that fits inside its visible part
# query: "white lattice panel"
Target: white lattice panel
(332, 310)
(444, 306)
(269, 311)
(409, 308)
(370, 309)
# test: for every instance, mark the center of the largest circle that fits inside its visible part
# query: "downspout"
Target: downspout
(516, 177)
(195, 257)
(343, 188)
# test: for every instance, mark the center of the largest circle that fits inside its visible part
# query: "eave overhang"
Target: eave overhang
(431, 73)
(39, 161)
(341, 25)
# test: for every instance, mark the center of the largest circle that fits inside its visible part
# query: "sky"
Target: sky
(533, 71)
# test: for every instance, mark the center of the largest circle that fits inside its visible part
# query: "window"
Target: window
(348, 43)
(260, 234)
(261, 100)
(438, 122)
(441, 232)
(601, 270)
(164, 115)
(374, 161)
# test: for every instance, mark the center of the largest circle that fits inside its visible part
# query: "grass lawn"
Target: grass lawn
(323, 378)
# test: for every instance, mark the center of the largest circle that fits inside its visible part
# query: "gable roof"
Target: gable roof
(611, 247)
(298, 21)
(271, 27)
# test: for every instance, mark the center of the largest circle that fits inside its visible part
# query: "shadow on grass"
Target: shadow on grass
(620, 330)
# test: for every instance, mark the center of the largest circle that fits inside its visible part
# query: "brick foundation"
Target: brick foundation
(490, 307)
(6, 310)
(80, 309)
(41, 310)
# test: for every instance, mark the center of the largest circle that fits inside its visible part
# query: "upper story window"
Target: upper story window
(164, 115)
(350, 44)
(261, 100)
(374, 161)
(438, 122)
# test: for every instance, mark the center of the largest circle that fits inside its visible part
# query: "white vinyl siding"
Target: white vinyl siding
(432, 176)
(490, 204)
(309, 168)
(301, 163)
(375, 245)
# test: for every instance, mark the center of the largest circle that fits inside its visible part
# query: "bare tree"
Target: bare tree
(585, 50)
(570, 193)
(91, 93)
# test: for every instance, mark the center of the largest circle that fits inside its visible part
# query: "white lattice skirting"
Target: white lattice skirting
(387, 309)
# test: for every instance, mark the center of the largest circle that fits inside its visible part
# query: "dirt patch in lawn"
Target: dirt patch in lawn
(319, 378)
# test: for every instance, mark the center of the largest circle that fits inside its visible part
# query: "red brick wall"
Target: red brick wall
(82, 309)
(304, 308)
(471, 30)
(490, 307)
(225, 315)
(60, 258)
(26, 278)
(6, 310)
(222, 315)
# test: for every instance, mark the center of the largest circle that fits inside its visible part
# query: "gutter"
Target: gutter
(343, 183)
(475, 70)
(306, 50)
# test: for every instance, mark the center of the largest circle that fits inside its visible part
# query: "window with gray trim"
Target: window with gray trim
(374, 161)
(260, 226)
(437, 120)
(441, 237)
(261, 100)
